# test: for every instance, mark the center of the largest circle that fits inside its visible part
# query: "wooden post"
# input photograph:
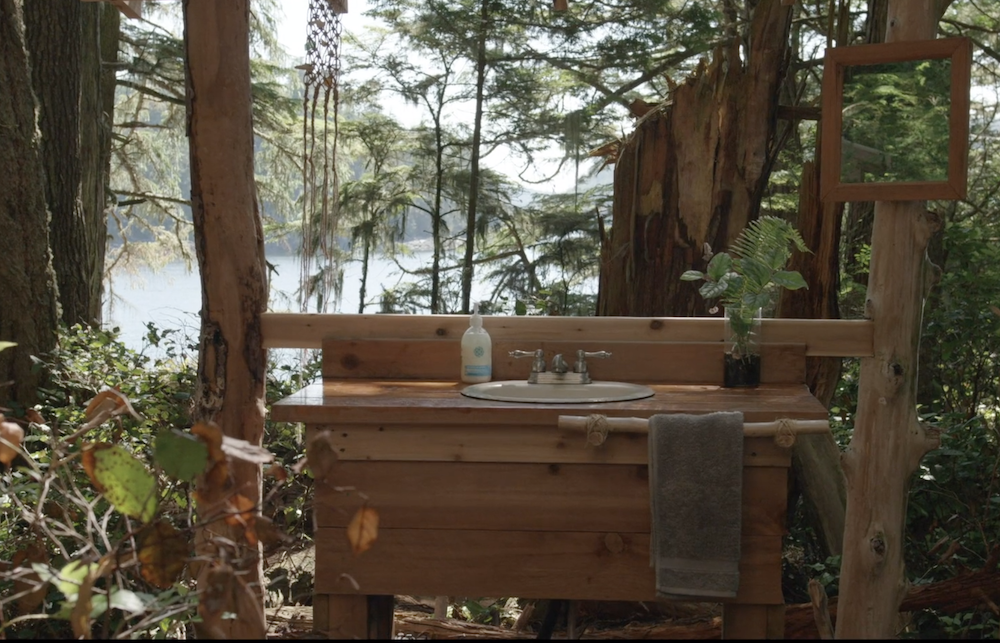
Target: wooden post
(229, 242)
(888, 440)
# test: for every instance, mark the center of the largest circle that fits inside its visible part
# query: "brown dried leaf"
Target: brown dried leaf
(300, 465)
(99, 409)
(33, 552)
(34, 416)
(268, 534)
(321, 455)
(212, 488)
(108, 402)
(54, 510)
(212, 435)
(79, 618)
(223, 591)
(89, 461)
(277, 472)
(243, 450)
(241, 512)
(163, 552)
(362, 531)
(247, 602)
(11, 437)
(216, 583)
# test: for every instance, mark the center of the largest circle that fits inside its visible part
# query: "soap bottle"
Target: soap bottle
(477, 351)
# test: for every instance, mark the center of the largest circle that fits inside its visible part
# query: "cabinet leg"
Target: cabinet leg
(753, 621)
(353, 616)
(380, 621)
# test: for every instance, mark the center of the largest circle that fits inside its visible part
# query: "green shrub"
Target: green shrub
(58, 527)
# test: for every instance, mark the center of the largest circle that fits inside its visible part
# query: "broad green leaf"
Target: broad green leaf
(790, 279)
(751, 302)
(121, 599)
(128, 601)
(520, 308)
(44, 572)
(124, 480)
(719, 266)
(72, 575)
(5, 345)
(713, 289)
(692, 275)
(180, 455)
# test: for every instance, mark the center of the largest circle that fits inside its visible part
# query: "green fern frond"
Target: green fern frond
(768, 239)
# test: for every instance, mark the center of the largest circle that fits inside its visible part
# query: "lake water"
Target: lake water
(171, 296)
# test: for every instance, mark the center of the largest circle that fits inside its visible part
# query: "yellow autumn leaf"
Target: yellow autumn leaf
(362, 531)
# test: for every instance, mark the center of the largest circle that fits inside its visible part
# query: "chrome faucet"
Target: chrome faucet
(581, 361)
(537, 362)
(560, 372)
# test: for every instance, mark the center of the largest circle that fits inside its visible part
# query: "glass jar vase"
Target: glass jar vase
(742, 337)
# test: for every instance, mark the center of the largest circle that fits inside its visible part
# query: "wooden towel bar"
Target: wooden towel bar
(598, 426)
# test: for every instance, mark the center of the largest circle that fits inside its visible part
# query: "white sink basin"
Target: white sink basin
(521, 391)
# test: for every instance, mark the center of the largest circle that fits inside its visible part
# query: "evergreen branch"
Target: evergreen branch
(154, 197)
(143, 89)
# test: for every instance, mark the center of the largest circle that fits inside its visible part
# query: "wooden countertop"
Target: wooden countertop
(361, 401)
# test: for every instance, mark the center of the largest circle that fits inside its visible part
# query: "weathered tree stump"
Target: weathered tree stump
(692, 173)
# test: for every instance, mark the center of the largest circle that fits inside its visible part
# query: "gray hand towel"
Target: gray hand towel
(695, 490)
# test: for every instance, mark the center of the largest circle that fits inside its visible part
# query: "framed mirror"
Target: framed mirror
(895, 123)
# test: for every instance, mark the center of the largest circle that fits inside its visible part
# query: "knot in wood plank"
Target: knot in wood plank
(614, 543)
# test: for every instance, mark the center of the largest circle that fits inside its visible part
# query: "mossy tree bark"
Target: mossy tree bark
(99, 46)
(29, 309)
(693, 173)
(56, 45)
(888, 440)
(229, 242)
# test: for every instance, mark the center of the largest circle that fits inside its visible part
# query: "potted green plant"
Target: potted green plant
(745, 281)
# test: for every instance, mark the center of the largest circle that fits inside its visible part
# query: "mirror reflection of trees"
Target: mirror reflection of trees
(895, 122)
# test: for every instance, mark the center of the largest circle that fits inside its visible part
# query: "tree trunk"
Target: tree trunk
(468, 265)
(230, 246)
(692, 173)
(816, 458)
(888, 440)
(437, 217)
(366, 254)
(99, 44)
(53, 31)
(30, 310)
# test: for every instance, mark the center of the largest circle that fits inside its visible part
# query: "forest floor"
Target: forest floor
(414, 616)
(414, 620)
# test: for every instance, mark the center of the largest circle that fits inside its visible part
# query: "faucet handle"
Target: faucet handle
(538, 361)
(581, 359)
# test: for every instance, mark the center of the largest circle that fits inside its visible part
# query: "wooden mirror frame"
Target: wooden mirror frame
(959, 50)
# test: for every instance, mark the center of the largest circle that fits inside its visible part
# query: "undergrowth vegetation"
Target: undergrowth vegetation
(111, 482)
